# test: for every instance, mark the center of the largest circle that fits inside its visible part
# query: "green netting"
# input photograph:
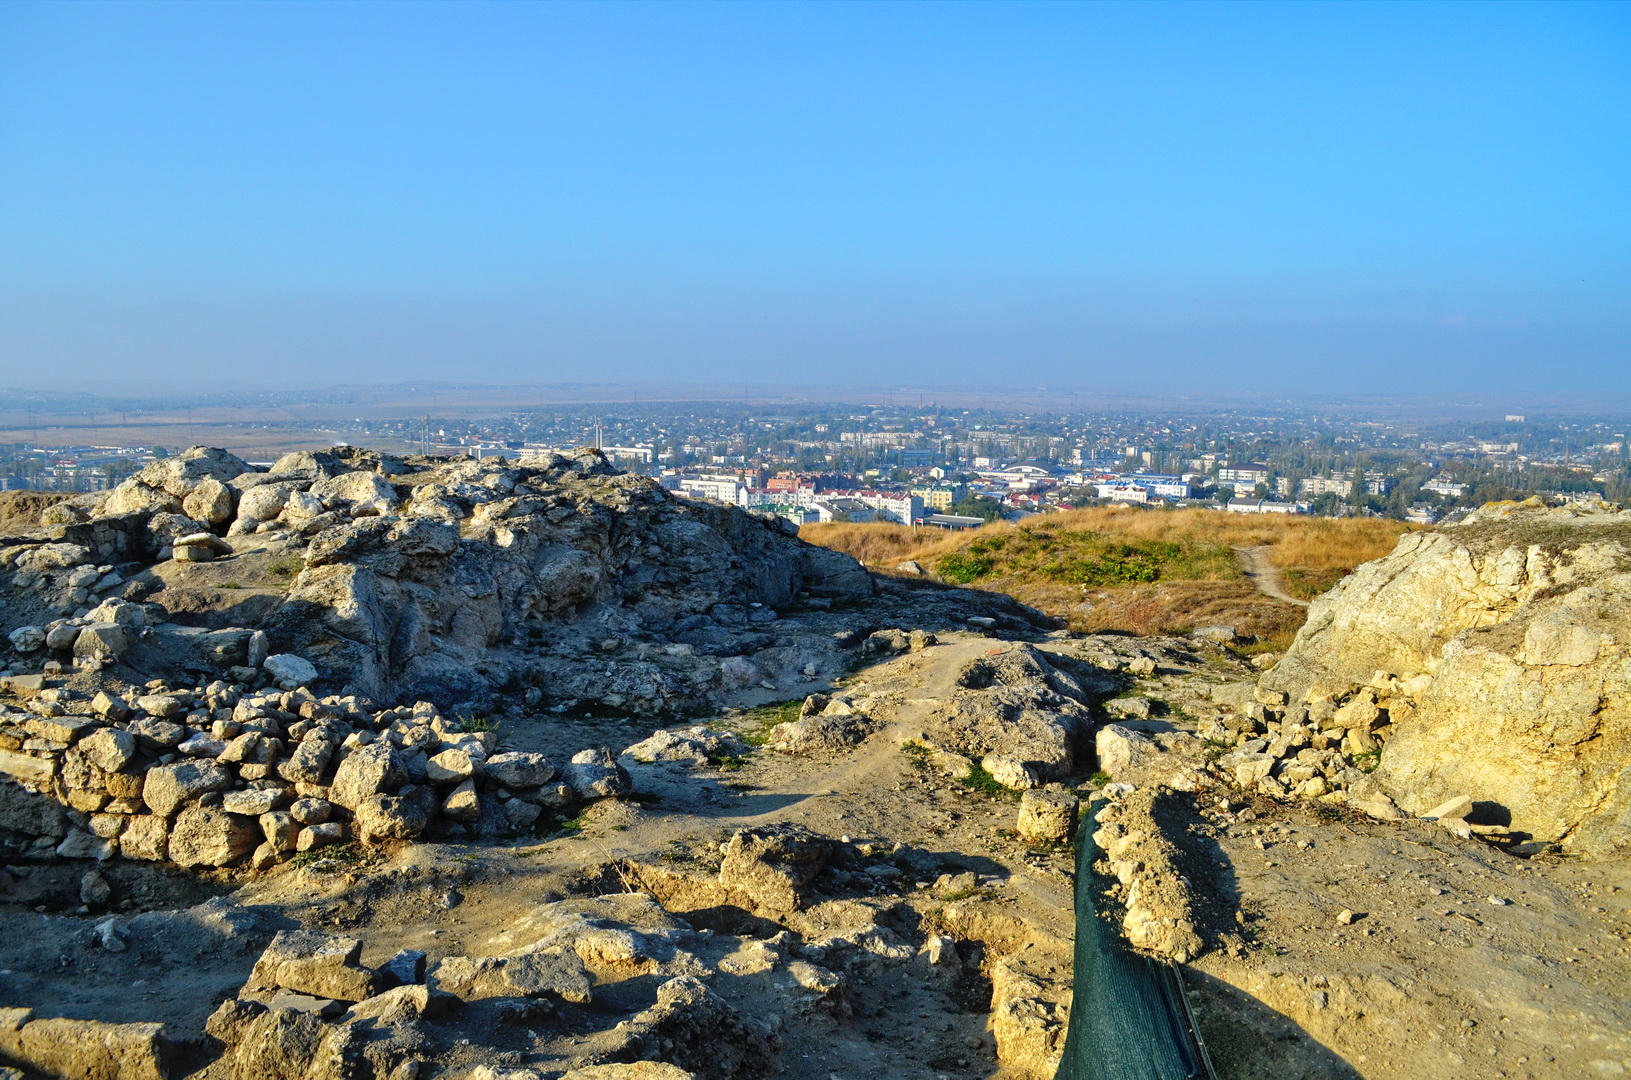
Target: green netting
(1129, 1019)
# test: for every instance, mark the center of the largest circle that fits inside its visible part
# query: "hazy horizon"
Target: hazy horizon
(1152, 199)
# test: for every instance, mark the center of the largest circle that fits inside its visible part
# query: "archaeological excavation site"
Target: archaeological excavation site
(375, 767)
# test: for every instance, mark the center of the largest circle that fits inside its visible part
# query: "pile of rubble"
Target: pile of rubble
(1257, 741)
(408, 578)
(221, 775)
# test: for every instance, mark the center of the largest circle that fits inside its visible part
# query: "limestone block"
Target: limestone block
(1047, 815)
(168, 787)
(317, 964)
(204, 837)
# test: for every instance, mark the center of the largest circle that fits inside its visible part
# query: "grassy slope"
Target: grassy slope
(1145, 571)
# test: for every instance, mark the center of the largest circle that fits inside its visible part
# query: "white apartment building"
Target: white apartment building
(1443, 485)
(836, 509)
(1247, 474)
(1315, 486)
(723, 488)
(1263, 506)
(1167, 487)
(1123, 492)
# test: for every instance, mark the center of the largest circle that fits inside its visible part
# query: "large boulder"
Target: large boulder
(367, 771)
(203, 837)
(595, 774)
(47, 557)
(1019, 713)
(363, 492)
(389, 817)
(168, 787)
(519, 769)
(284, 1044)
(263, 502)
(290, 671)
(111, 749)
(210, 501)
(1496, 654)
(106, 641)
(546, 972)
(323, 966)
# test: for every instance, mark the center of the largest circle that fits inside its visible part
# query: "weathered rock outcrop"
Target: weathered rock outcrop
(1497, 656)
(434, 578)
(485, 553)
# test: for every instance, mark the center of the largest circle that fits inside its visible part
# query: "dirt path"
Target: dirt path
(1254, 561)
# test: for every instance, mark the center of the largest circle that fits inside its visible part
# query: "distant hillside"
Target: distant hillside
(1146, 571)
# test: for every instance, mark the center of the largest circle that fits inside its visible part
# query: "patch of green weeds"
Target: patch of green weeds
(230, 585)
(963, 894)
(283, 568)
(477, 723)
(1368, 760)
(733, 763)
(759, 719)
(344, 853)
(983, 782)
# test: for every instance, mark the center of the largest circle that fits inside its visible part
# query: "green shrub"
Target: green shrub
(962, 567)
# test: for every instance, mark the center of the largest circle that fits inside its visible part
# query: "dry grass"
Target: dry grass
(1143, 571)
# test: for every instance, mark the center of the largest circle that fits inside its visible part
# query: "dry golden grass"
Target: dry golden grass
(1142, 571)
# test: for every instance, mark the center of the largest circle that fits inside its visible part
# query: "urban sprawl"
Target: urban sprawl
(958, 468)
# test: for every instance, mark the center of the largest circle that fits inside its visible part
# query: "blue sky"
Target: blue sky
(1302, 197)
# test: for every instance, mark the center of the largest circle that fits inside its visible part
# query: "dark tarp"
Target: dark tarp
(1129, 1019)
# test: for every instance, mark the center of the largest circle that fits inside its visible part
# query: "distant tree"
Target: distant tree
(979, 506)
(1327, 505)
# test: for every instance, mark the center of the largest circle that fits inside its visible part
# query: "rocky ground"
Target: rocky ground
(934, 930)
(856, 862)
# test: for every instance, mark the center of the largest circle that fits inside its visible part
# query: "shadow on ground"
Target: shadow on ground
(1250, 1041)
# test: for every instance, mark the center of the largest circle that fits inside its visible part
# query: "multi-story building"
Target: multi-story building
(1315, 486)
(1124, 492)
(843, 509)
(1167, 487)
(1264, 506)
(940, 496)
(1244, 474)
(1443, 485)
(723, 488)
